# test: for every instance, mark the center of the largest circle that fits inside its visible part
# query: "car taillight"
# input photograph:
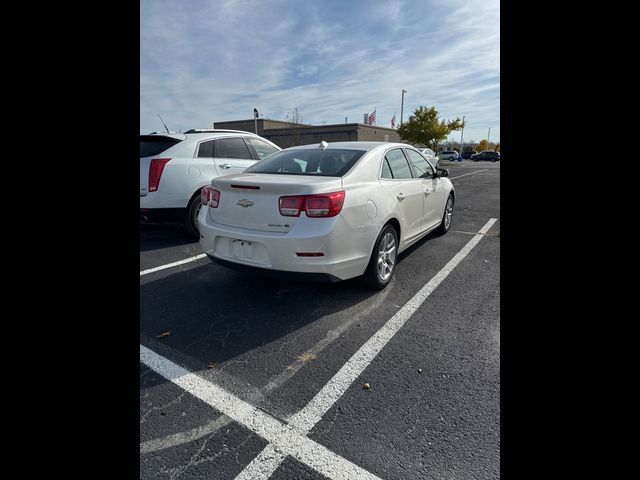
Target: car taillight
(321, 205)
(155, 172)
(210, 196)
(291, 206)
(325, 205)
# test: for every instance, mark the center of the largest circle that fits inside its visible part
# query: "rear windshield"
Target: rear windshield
(325, 163)
(154, 145)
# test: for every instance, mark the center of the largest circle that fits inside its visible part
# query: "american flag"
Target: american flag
(393, 121)
(372, 118)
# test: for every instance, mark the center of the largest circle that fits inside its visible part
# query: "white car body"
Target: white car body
(247, 227)
(187, 169)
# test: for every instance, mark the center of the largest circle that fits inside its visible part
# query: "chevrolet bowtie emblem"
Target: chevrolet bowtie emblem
(245, 203)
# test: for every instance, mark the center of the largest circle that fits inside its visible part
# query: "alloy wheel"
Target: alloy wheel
(387, 256)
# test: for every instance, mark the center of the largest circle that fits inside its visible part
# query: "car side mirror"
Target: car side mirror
(442, 172)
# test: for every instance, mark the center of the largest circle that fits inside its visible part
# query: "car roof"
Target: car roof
(201, 134)
(367, 146)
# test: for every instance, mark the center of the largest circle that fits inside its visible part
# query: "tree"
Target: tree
(425, 128)
(486, 145)
(294, 121)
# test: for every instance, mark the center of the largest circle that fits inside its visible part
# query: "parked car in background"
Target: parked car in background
(488, 155)
(448, 155)
(326, 212)
(431, 156)
(466, 155)
(175, 166)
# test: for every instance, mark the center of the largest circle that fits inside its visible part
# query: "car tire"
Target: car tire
(190, 224)
(374, 278)
(447, 216)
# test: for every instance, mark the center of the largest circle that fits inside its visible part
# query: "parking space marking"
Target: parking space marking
(474, 233)
(198, 432)
(286, 439)
(174, 264)
(472, 173)
(271, 457)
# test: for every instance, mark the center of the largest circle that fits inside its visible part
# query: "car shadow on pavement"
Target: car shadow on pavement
(217, 314)
(154, 237)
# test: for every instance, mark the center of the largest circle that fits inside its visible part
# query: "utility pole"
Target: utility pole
(462, 136)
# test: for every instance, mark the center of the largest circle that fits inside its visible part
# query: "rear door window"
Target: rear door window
(232, 148)
(386, 170)
(398, 164)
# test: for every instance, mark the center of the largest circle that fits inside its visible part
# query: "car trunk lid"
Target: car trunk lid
(252, 200)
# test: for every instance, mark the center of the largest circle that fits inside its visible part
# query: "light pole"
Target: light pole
(255, 120)
(462, 136)
(489, 135)
(402, 105)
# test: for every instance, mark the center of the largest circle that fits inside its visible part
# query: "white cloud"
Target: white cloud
(211, 61)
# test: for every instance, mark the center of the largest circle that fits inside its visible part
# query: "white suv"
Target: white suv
(175, 166)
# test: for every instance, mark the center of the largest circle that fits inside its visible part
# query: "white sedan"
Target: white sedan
(326, 211)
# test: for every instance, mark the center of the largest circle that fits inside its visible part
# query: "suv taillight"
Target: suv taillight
(210, 196)
(155, 172)
(321, 205)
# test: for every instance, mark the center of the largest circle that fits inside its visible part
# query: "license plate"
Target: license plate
(242, 249)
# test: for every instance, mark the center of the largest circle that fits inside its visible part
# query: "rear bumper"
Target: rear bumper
(162, 215)
(346, 250)
(278, 274)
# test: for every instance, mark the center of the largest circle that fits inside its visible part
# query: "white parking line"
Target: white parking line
(353, 313)
(270, 458)
(472, 173)
(174, 264)
(285, 439)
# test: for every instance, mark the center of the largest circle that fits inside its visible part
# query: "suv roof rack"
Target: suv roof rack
(215, 130)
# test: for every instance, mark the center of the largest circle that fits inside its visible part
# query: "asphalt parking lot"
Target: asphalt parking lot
(242, 376)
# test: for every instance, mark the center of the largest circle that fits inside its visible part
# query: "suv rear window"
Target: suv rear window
(325, 163)
(151, 146)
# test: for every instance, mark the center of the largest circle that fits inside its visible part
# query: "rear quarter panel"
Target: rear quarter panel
(362, 187)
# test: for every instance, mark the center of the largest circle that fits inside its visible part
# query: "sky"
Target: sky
(206, 61)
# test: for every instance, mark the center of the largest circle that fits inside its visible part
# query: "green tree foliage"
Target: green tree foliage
(486, 145)
(425, 128)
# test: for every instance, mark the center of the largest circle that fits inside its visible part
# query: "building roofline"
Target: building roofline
(307, 125)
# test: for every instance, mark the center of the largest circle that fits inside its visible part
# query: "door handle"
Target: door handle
(225, 165)
(427, 191)
(401, 196)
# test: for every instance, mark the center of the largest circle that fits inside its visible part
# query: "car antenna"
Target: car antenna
(165, 127)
